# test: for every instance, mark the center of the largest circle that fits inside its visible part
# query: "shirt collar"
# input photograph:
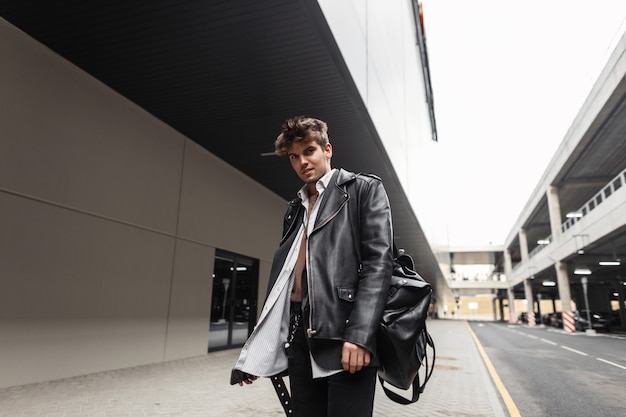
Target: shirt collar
(320, 185)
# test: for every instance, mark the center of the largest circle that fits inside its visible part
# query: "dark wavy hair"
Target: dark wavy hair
(301, 129)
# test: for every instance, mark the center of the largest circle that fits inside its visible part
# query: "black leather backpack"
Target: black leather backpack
(402, 338)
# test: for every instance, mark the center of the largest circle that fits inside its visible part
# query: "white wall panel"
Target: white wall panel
(223, 208)
(104, 155)
(79, 293)
(394, 93)
(348, 21)
(190, 309)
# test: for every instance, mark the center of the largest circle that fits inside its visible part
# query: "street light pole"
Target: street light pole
(539, 307)
(584, 281)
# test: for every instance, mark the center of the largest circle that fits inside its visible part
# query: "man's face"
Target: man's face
(310, 161)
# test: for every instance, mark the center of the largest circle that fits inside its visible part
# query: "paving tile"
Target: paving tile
(198, 386)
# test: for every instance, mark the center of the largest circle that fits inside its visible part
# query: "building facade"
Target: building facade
(140, 204)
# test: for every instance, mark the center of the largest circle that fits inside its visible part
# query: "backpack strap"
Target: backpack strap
(355, 217)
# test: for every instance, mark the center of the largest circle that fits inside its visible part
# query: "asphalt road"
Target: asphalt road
(551, 373)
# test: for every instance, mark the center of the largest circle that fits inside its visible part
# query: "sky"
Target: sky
(508, 79)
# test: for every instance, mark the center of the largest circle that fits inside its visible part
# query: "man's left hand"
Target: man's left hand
(354, 357)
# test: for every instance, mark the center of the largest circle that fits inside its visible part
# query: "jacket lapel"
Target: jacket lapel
(292, 218)
(335, 197)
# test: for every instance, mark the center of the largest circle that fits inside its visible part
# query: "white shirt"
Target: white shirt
(263, 353)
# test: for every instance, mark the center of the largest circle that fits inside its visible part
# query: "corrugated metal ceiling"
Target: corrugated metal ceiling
(226, 74)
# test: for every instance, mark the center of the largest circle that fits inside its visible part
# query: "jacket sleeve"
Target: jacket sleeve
(376, 250)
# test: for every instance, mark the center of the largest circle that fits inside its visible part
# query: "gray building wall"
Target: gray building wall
(109, 220)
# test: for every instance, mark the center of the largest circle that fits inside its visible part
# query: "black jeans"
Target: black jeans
(339, 395)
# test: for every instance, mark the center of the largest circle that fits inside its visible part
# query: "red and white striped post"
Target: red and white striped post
(531, 318)
(568, 322)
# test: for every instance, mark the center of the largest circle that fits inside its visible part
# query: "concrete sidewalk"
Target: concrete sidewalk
(460, 386)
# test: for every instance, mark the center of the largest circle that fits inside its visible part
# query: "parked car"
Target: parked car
(599, 320)
(523, 318)
(556, 320)
(616, 320)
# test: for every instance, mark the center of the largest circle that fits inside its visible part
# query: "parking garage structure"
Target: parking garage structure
(568, 246)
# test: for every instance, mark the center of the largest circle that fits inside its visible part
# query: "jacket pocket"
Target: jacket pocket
(346, 294)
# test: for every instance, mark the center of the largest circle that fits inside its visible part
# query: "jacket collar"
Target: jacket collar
(335, 196)
(340, 178)
(343, 177)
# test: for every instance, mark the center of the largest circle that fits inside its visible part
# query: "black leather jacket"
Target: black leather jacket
(346, 299)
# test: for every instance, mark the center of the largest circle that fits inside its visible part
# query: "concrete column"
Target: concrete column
(563, 282)
(508, 265)
(554, 210)
(523, 245)
(528, 291)
(512, 314)
(508, 270)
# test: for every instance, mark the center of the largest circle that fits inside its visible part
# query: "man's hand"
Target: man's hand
(249, 380)
(354, 357)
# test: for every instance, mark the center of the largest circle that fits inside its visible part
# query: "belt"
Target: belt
(283, 394)
(295, 318)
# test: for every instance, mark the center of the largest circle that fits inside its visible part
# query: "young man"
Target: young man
(328, 283)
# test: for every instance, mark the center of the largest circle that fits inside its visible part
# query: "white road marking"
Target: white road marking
(574, 350)
(611, 363)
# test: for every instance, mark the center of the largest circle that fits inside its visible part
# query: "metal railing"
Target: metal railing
(540, 246)
(478, 277)
(607, 191)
